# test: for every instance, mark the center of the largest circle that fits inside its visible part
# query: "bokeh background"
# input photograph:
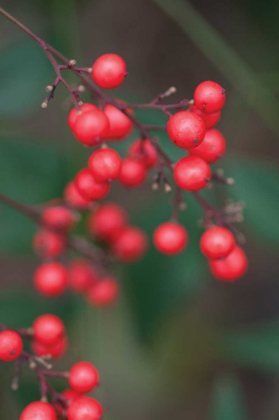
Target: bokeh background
(178, 344)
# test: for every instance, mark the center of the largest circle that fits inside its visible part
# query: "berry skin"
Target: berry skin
(58, 218)
(48, 329)
(217, 242)
(210, 120)
(56, 350)
(230, 268)
(209, 97)
(91, 127)
(170, 238)
(81, 276)
(133, 173)
(212, 148)
(109, 71)
(83, 377)
(38, 410)
(51, 279)
(88, 187)
(10, 345)
(47, 243)
(120, 125)
(130, 245)
(107, 221)
(74, 114)
(192, 173)
(104, 293)
(84, 408)
(186, 129)
(105, 165)
(145, 152)
(74, 199)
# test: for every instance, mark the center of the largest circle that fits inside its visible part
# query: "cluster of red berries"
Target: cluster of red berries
(107, 223)
(47, 334)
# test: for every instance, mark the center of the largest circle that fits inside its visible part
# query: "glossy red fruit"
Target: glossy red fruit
(58, 218)
(84, 408)
(47, 243)
(48, 329)
(209, 97)
(10, 345)
(74, 114)
(83, 377)
(210, 120)
(107, 221)
(120, 126)
(186, 129)
(212, 148)
(38, 410)
(91, 127)
(133, 173)
(88, 187)
(145, 152)
(217, 242)
(109, 71)
(105, 165)
(74, 199)
(56, 350)
(230, 268)
(192, 173)
(81, 276)
(170, 238)
(104, 292)
(51, 279)
(130, 245)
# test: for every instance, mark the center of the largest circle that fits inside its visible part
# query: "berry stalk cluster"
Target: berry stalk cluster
(48, 340)
(190, 125)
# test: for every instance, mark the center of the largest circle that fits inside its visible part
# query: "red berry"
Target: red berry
(186, 129)
(38, 410)
(212, 147)
(109, 71)
(74, 199)
(170, 238)
(103, 293)
(56, 350)
(10, 345)
(91, 127)
(74, 113)
(51, 279)
(88, 187)
(81, 276)
(192, 173)
(217, 242)
(130, 245)
(69, 395)
(84, 408)
(107, 221)
(209, 119)
(47, 243)
(231, 267)
(83, 377)
(48, 329)
(120, 125)
(105, 165)
(145, 152)
(133, 173)
(209, 97)
(58, 218)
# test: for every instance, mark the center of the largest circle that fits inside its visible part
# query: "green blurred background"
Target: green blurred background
(178, 344)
